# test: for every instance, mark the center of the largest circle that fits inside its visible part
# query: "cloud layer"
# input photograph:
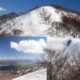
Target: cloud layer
(2, 9)
(29, 46)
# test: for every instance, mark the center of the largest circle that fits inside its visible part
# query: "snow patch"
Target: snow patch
(29, 24)
(71, 45)
(56, 17)
(37, 75)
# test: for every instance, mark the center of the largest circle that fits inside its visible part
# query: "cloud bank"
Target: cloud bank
(29, 46)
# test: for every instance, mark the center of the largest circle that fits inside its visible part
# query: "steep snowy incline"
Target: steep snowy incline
(46, 20)
(37, 75)
(29, 24)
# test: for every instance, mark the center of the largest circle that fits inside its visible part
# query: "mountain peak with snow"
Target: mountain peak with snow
(45, 21)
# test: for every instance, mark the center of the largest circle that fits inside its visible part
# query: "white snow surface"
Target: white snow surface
(37, 75)
(37, 22)
(31, 23)
(71, 45)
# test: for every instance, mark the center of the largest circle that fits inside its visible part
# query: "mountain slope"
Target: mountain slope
(46, 20)
(5, 18)
(37, 75)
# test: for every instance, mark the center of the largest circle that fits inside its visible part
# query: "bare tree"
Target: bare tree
(76, 71)
(54, 62)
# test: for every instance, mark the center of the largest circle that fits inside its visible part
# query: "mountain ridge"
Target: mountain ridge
(56, 21)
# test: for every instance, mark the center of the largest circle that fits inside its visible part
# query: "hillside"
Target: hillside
(46, 20)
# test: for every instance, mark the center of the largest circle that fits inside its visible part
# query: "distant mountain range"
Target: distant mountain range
(15, 62)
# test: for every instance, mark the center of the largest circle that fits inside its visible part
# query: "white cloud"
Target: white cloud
(29, 46)
(2, 9)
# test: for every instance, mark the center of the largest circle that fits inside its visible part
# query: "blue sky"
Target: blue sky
(26, 5)
(7, 52)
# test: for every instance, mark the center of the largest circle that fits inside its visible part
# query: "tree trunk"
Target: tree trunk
(49, 71)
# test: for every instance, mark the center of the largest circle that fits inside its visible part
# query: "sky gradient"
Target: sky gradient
(26, 5)
(7, 52)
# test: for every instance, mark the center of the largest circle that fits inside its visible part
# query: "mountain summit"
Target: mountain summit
(46, 20)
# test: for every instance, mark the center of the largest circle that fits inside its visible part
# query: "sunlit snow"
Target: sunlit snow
(30, 24)
(37, 75)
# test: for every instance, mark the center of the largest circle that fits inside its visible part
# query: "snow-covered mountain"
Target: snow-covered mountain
(6, 17)
(46, 20)
(52, 21)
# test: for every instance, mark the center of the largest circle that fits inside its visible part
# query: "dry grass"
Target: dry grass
(4, 75)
